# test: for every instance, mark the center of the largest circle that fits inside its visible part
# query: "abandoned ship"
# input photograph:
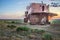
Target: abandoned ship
(37, 12)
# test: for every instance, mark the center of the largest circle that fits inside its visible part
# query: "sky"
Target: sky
(15, 9)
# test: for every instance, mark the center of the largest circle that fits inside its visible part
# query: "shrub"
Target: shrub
(39, 31)
(36, 30)
(22, 29)
(13, 22)
(11, 26)
(47, 36)
(55, 22)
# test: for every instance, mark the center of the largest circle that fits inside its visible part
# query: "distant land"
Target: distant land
(11, 19)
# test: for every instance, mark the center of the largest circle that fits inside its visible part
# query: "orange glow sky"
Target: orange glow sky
(55, 10)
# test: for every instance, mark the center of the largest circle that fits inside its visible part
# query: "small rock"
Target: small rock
(32, 36)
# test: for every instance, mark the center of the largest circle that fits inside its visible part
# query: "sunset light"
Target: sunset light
(55, 10)
(15, 9)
